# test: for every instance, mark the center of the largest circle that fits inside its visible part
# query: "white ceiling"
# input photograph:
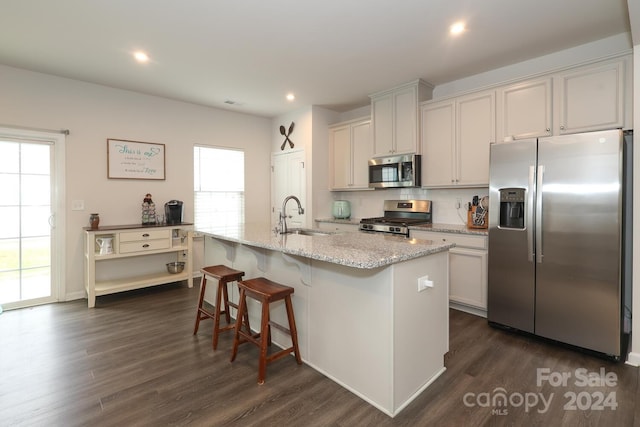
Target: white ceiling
(331, 53)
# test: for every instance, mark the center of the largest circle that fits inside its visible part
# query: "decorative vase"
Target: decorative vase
(94, 220)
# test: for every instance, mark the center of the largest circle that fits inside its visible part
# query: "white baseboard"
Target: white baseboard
(633, 359)
(468, 309)
(74, 296)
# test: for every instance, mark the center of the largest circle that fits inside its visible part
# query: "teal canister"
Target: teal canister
(341, 209)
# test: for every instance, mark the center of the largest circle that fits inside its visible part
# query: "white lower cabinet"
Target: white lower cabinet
(468, 274)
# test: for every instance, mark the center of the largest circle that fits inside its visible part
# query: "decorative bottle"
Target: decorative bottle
(94, 221)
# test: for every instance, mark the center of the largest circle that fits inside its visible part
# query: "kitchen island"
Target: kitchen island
(361, 318)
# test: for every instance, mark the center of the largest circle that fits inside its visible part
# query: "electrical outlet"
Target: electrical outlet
(77, 205)
(458, 203)
(424, 283)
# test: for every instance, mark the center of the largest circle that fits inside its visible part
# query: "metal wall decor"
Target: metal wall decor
(286, 136)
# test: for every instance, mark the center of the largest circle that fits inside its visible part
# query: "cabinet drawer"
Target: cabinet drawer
(143, 235)
(142, 246)
(461, 240)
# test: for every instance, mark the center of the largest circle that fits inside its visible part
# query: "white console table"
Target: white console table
(139, 257)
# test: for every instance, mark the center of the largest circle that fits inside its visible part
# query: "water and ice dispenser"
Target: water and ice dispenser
(512, 208)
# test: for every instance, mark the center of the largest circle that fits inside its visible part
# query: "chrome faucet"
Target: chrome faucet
(283, 213)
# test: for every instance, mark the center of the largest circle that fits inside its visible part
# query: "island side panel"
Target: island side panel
(420, 325)
(350, 326)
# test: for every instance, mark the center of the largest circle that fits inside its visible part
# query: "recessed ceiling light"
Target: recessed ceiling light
(290, 97)
(457, 28)
(141, 56)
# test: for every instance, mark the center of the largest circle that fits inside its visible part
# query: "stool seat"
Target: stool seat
(265, 291)
(224, 275)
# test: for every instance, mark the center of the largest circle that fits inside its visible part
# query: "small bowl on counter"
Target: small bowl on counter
(175, 267)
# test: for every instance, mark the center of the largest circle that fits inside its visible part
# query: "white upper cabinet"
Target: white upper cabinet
(438, 143)
(456, 138)
(340, 148)
(591, 98)
(395, 118)
(351, 147)
(525, 109)
(587, 98)
(476, 121)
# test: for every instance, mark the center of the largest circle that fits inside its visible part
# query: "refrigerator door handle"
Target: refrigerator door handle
(529, 212)
(540, 178)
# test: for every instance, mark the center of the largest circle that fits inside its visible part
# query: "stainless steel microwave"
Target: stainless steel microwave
(395, 171)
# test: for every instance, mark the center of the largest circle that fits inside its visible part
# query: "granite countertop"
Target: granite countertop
(352, 249)
(451, 228)
(442, 228)
(350, 221)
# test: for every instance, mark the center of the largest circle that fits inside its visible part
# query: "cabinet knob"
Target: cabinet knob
(145, 235)
(561, 127)
(548, 130)
(146, 245)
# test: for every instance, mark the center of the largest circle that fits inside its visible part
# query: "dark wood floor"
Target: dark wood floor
(133, 361)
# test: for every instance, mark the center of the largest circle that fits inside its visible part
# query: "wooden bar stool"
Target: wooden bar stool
(265, 291)
(224, 275)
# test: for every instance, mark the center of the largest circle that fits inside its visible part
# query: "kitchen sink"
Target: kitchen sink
(309, 232)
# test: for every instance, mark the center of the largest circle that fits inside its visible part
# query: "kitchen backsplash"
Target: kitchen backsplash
(369, 203)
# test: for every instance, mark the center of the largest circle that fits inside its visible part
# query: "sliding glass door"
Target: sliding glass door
(29, 266)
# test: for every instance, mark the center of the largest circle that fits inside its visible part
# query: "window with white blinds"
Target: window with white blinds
(218, 186)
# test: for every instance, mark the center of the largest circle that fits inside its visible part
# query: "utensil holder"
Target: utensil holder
(477, 218)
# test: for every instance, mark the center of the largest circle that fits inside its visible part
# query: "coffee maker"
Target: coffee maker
(173, 212)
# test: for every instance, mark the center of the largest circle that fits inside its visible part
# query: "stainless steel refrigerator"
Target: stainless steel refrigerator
(556, 244)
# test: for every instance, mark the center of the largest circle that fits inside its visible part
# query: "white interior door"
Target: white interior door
(288, 177)
(30, 249)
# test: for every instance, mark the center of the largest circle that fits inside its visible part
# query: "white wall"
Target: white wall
(311, 133)
(94, 113)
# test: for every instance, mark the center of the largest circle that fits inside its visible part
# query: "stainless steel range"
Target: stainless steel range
(398, 216)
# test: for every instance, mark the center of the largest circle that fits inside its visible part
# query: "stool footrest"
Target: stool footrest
(245, 337)
(280, 354)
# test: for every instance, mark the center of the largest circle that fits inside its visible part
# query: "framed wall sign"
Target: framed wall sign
(135, 160)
